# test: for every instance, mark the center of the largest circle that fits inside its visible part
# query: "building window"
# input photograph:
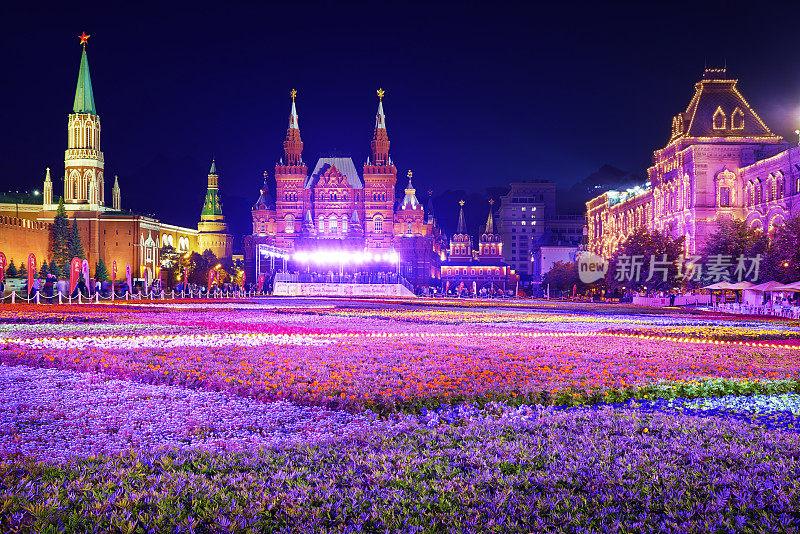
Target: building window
(719, 119)
(378, 222)
(725, 196)
(321, 224)
(737, 120)
(344, 224)
(333, 224)
(289, 221)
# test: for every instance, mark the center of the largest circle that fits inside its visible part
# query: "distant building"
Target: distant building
(336, 207)
(721, 162)
(106, 232)
(529, 220)
(481, 269)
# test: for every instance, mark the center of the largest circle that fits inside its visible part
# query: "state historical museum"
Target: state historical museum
(334, 207)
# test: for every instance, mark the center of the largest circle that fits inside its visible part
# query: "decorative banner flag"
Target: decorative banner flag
(261, 280)
(185, 277)
(85, 271)
(574, 290)
(146, 280)
(210, 278)
(447, 287)
(474, 287)
(31, 271)
(74, 273)
(128, 277)
(113, 274)
(243, 279)
(2, 266)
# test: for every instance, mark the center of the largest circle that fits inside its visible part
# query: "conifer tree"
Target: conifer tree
(60, 240)
(44, 269)
(75, 244)
(22, 272)
(55, 270)
(101, 271)
(11, 271)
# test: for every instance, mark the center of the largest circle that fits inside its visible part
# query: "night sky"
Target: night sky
(477, 94)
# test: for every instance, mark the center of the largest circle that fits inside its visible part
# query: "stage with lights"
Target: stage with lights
(332, 272)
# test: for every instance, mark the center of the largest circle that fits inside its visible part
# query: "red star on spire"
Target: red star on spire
(83, 37)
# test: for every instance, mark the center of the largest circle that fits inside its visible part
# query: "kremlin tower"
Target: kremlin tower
(490, 244)
(290, 177)
(212, 229)
(380, 177)
(84, 187)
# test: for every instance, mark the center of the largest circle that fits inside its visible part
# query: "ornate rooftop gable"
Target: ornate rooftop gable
(717, 110)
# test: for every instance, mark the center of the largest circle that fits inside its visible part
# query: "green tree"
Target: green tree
(199, 265)
(44, 269)
(562, 276)
(783, 256)
(733, 238)
(55, 270)
(60, 240)
(101, 271)
(22, 272)
(171, 265)
(648, 250)
(75, 244)
(11, 270)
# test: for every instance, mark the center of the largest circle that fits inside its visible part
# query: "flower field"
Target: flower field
(395, 417)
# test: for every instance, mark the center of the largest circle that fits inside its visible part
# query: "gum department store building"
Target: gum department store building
(721, 161)
(106, 231)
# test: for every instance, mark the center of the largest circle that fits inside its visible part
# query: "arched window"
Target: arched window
(378, 223)
(409, 228)
(333, 224)
(344, 224)
(719, 119)
(737, 119)
(289, 222)
(321, 224)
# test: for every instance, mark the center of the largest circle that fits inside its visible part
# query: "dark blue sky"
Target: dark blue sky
(478, 93)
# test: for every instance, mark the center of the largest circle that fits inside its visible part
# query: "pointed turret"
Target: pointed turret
(380, 139)
(462, 225)
(84, 174)
(264, 201)
(212, 207)
(490, 221)
(47, 191)
(116, 195)
(212, 228)
(84, 98)
(430, 218)
(293, 145)
(410, 200)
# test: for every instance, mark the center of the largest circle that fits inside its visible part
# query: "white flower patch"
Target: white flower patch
(169, 342)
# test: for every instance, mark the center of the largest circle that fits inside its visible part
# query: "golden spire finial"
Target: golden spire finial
(381, 92)
(410, 174)
(491, 201)
(461, 203)
(84, 38)
(293, 93)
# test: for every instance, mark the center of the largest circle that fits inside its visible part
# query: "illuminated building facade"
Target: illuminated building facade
(106, 231)
(481, 269)
(721, 161)
(334, 207)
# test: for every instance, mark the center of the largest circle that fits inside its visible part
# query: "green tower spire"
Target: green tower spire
(84, 98)
(213, 204)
